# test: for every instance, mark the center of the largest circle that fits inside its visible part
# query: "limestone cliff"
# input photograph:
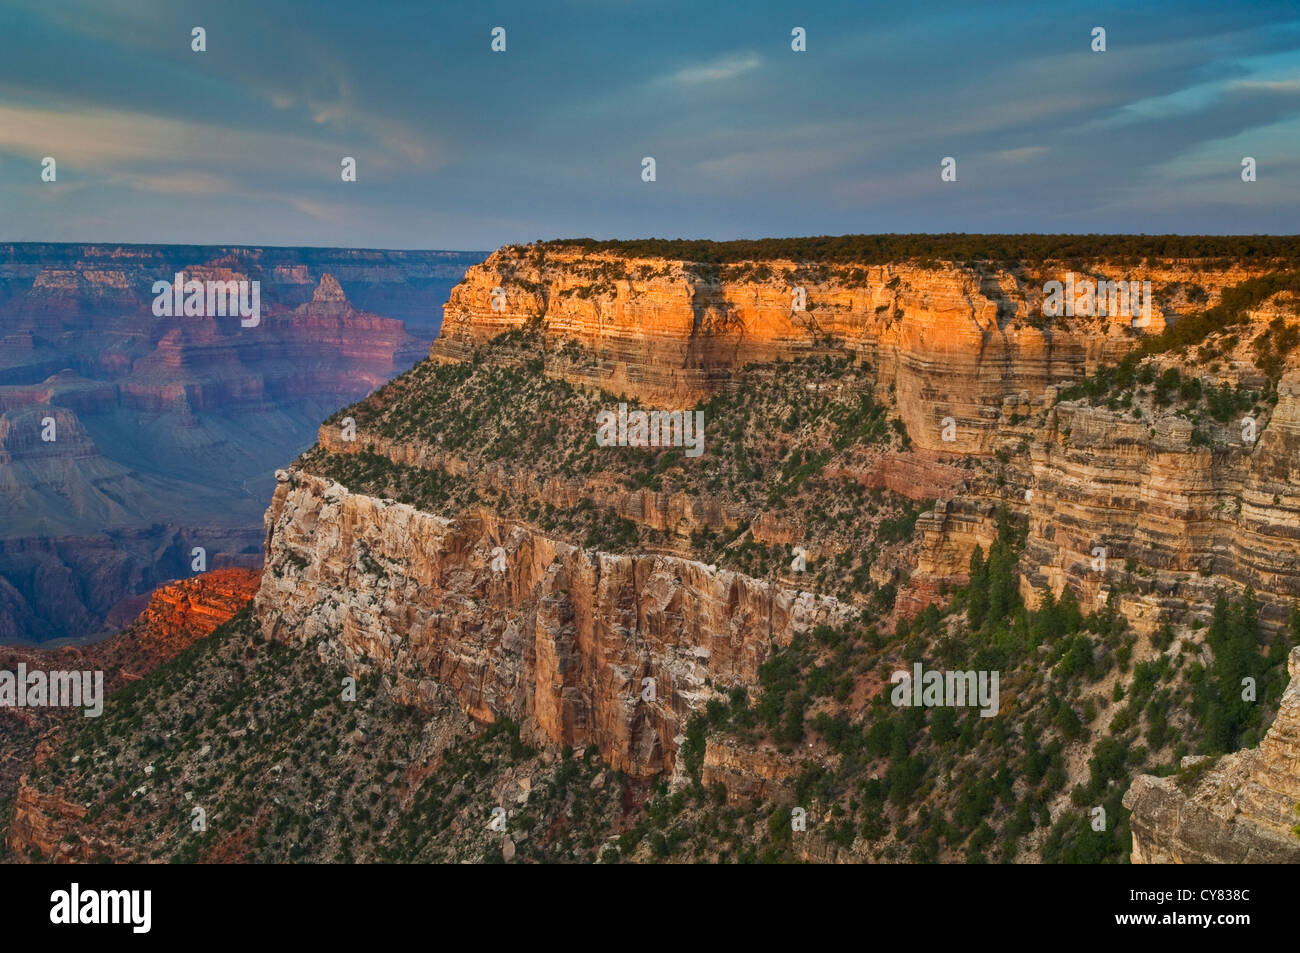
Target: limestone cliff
(946, 340)
(963, 345)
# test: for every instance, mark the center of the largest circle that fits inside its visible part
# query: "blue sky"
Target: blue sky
(460, 147)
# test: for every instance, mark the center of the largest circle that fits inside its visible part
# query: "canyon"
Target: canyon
(128, 441)
(916, 428)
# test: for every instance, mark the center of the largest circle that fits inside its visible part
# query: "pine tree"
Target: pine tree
(977, 602)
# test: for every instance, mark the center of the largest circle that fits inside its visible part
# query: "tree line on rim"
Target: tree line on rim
(881, 249)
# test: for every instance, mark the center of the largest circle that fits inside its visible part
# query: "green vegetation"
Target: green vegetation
(779, 444)
(924, 785)
(1230, 311)
(884, 249)
(1116, 385)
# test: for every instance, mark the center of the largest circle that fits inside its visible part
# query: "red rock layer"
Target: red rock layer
(178, 615)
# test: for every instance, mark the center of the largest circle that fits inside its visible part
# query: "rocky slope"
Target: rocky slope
(175, 617)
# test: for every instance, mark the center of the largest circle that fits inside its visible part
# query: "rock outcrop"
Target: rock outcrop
(1243, 808)
(1191, 516)
(962, 354)
(579, 646)
(177, 616)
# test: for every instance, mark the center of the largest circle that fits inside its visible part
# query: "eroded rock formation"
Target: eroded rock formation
(561, 639)
(1243, 808)
(177, 616)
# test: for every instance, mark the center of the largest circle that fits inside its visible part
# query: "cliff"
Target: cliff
(561, 639)
(945, 340)
(962, 345)
(1243, 808)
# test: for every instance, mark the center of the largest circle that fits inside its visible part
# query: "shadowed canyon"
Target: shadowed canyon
(129, 440)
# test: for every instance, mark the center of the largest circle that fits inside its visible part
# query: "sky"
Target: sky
(458, 146)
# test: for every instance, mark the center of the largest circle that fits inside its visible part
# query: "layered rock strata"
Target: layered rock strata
(581, 647)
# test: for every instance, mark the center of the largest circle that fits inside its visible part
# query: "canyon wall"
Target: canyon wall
(954, 344)
(966, 342)
(1175, 520)
(587, 647)
(964, 358)
(561, 639)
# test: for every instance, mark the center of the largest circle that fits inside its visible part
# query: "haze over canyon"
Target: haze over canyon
(128, 440)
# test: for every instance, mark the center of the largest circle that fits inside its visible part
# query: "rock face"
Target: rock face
(1190, 516)
(957, 347)
(1244, 808)
(176, 617)
(748, 773)
(164, 431)
(948, 341)
(49, 825)
(963, 357)
(561, 639)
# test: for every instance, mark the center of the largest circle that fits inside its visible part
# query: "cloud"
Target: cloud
(720, 70)
(1023, 154)
(460, 147)
(115, 140)
(175, 183)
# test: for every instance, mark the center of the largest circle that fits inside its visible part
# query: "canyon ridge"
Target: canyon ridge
(629, 653)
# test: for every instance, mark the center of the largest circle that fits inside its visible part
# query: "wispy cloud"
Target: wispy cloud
(720, 70)
(113, 140)
(459, 146)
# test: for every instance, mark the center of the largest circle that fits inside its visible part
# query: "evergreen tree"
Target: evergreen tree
(977, 602)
